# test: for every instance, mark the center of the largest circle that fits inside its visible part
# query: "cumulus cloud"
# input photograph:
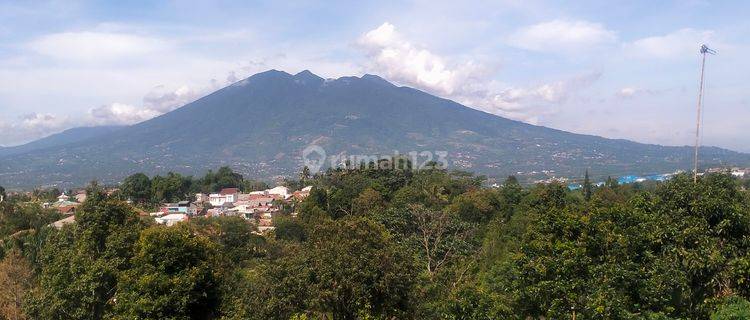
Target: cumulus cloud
(119, 114)
(159, 100)
(562, 35)
(95, 46)
(393, 56)
(400, 60)
(681, 43)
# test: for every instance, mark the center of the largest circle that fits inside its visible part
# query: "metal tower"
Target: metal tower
(703, 50)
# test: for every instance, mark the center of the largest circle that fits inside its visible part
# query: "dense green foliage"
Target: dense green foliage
(399, 244)
(145, 191)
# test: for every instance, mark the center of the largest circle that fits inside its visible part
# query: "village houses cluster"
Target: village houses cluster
(258, 207)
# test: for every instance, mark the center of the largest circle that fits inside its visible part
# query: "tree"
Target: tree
(289, 229)
(234, 236)
(733, 308)
(441, 236)
(253, 185)
(474, 206)
(368, 201)
(304, 175)
(173, 276)
(16, 280)
(137, 188)
(81, 262)
(357, 270)
(587, 188)
(226, 178)
(511, 180)
(173, 187)
(30, 216)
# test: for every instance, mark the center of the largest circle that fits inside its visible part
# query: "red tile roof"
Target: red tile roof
(67, 209)
(227, 191)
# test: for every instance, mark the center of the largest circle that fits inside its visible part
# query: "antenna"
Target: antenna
(703, 50)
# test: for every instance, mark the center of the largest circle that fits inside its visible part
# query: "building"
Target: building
(302, 194)
(185, 207)
(201, 197)
(280, 191)
(69, 209)
(62, 222)
(62, 201)
(257, 201)
(739, 173)
(172, 219)
(63, 198)
(224, 196)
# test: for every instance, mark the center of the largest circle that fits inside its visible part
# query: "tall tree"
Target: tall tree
(304, 175)
(173, 276)
(441, 236)
(137, 187)
(357, 269)
(80, 263)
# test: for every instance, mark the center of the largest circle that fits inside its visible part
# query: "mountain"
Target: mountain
(260, 125)
(60, 139)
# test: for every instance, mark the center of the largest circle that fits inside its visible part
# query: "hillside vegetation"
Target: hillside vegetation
(377, 244)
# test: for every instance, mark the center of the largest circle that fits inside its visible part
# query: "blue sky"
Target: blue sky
(619, 69)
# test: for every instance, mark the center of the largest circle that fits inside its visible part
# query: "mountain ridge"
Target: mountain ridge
(261, 124)
(68, 136)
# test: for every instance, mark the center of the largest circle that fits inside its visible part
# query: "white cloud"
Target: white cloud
(631, 92)
(162, 100)
(469, 83)
(681, 43)
(32, 126)
(159, 100)
(562, 35)
(119, 114)
(95, 46)
(402, 61)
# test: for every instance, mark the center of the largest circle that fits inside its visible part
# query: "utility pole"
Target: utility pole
(703, 50)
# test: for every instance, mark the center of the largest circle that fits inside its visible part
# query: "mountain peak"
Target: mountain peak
(376, 79)
(308, 77)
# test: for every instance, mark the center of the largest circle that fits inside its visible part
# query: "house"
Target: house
(62, 201)
(69, 209)
(63, 197)
(62, 222)
(302, 194)
(739, 173)
(280, 190)
(228, 191)
(201, 197)
(185, 207)
(172, 219)
(242, 210)
(225, 195)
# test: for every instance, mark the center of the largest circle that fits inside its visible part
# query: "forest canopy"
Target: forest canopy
(394, 244)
